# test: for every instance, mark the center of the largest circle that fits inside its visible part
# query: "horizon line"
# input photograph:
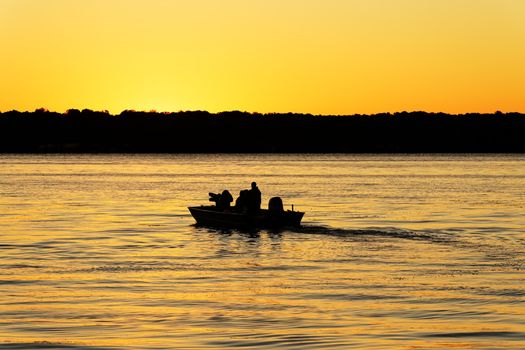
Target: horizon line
(105, 111)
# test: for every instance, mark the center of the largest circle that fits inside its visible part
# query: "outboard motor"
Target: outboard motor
(275, 205)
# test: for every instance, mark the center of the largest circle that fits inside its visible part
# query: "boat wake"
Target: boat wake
(501, 253)
(437, 236)
(453, 238)
(385, 232)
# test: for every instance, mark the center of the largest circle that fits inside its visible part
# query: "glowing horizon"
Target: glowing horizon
(305, 56)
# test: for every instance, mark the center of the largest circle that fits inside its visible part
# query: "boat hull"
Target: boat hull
(211, 216)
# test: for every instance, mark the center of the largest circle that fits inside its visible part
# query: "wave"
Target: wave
(489, 334)
(50, 345)
(386, 232)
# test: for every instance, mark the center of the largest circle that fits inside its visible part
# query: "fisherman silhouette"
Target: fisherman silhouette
(225, 200)
(254, 203)
(241, 204)
(222, 200)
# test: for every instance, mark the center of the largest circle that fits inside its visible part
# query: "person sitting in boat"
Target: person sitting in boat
(254, 203)
(225, 200)
(241, 204)
(222, 200)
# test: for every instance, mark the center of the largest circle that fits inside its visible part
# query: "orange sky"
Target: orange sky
(316, 56)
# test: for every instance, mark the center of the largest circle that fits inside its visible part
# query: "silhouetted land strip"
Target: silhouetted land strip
(198, 132)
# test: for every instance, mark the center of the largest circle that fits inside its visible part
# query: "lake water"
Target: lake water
(396, 252)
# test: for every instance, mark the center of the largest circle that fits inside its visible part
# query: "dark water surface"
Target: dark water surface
(396, 252)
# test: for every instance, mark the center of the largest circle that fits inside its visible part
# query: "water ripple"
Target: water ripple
(518, 336)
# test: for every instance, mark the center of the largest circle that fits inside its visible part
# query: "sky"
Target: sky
(304, 56)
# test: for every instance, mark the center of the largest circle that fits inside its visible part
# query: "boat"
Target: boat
(210, 215)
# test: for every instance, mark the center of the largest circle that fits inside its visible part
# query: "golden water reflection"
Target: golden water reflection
(396, 252)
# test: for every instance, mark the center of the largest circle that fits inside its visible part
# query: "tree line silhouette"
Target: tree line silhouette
(90, 131)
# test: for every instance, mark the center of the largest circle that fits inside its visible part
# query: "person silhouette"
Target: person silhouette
(222, 200)
(242, 202)
(255, 197)
(225, 200)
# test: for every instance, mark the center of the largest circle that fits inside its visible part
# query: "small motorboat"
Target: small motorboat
(210, 215)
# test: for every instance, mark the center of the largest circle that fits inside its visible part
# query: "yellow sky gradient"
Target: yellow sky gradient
(315, 56)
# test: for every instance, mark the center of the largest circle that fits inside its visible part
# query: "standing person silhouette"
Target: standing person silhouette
(255, 198)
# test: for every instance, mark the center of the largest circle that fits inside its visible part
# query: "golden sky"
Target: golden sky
(316, 56)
